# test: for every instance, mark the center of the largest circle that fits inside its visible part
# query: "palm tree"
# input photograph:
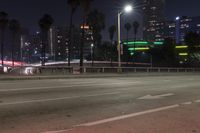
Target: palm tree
(136, 25)
(112, 30)
(86, 7)
(74, 5)
(3, 24)
(45, 24)
(96, 22)
(127, 26)
(14, 27)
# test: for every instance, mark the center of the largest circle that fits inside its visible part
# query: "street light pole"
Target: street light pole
(119, 39)
(127, 9)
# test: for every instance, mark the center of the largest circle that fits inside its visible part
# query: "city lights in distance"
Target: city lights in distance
(183, 54)
(85, 27)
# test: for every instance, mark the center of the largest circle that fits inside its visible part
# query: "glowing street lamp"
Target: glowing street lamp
(177, 18)
(127, 9)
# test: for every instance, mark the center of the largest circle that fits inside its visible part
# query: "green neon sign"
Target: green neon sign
(158, 43)
(181, 47)
(143, 43)
(138, 42)
(138, 49)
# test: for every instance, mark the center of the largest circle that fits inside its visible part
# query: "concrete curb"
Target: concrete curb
(97, 75)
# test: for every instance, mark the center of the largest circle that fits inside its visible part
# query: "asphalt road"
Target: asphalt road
(39, 106)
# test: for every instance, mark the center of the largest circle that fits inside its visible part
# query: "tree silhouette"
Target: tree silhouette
(3, 24)
(74, 5)
(127, 26)
(14, 27)
(96, 22)
(85, 4)
(112, 30)
(45, 24)
(136, 26)
(193, 41)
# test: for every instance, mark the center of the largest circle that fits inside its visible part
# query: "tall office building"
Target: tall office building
(184, 25)
(153, 13)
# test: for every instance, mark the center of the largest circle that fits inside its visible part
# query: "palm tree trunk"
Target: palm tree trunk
(134, 56)
(94, 44)
(70, 38)
(45, 45)
(12, 56)
(127, 39)
(82, 44)
(111, 59)
(2, 47)
(43, 50)
(12, 50)
(29, 55)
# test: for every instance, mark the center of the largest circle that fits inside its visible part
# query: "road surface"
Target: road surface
(101, 105)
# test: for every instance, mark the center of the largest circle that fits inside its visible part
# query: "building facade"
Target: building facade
(186, 24)
(176, 29)
(153, 11)
(58, 43)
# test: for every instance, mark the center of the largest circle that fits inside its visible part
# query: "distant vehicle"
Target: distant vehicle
(8, 65)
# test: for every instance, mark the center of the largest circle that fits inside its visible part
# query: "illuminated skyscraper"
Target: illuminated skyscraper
(153, 13)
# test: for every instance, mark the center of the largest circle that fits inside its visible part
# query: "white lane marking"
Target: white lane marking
(128, 116)
(117, 118)
(59, 131)
(197, 101)
(69, 86)
(149, 97)
(56, 99)
(186, 103)
(123, 117)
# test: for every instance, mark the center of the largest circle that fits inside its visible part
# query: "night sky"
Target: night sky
(28, 12)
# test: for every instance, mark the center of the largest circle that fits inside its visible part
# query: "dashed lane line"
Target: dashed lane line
(186, 103)
(56, 99)
(65, 86)
(197, 101)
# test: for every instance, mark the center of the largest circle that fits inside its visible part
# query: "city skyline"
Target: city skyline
(60, 11)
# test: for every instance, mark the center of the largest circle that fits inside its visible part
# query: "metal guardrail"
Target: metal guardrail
(61, 70)
(137, 69)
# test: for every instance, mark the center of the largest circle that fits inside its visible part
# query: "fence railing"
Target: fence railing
(137, 69)
(62, 70)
